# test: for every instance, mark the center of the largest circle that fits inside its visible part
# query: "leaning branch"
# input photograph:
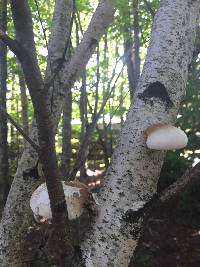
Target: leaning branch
(14, 45)
(20, 130)
(176, 189)
(190, 178)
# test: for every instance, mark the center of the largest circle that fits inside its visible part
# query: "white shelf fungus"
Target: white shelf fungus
(165, 137)
(77, 197)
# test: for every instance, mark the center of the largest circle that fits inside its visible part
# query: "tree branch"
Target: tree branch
(20, 130)
(190, 177)
(24, 35)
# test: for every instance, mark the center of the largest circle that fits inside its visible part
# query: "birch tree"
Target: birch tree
(132, 177)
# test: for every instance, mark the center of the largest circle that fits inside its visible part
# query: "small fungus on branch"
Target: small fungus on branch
(165, 137)
(77, 196)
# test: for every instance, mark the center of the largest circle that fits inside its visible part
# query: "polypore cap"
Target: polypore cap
(76, 195)
(165, 137)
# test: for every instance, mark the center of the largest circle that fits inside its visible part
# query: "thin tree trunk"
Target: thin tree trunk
(24, 101)
(105, 132)
(4, 169)
(129, 63)
(110, 135)
(66, 136)
(104, 146)
(131, 48)
(83, 116)
(132, 177)
(121, 107)
(136, 46)
(84, 147)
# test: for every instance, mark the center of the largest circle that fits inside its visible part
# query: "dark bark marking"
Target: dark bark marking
(93, 41)
(157, 90)
(132, 216)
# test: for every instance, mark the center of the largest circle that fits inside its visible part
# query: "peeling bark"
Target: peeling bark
(132, 177)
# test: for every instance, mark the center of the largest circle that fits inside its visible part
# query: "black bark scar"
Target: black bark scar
(157, 90)
(132, 216)
(93, 41)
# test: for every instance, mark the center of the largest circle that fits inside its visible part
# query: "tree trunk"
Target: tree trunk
(136, 46)
(105, 130)
(132, 177)
(83, 117)
(130, 67)
(24, 102)
(103, 145)
(66, 136)
(4, 185)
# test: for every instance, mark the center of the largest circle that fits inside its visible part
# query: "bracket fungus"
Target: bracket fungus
(77, 196)
(165, 137)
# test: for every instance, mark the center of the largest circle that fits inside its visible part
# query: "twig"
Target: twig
(20, 130)
(117, 108)
(41, 23)
(79, 22)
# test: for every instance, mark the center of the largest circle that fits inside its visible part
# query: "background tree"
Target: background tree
(4, 175)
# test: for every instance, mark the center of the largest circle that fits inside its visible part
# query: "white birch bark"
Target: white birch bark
(16, 217)
(132, 177)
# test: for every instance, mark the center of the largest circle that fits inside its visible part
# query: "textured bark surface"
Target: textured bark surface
(17, 214)
(15, 220)
(132, 177)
